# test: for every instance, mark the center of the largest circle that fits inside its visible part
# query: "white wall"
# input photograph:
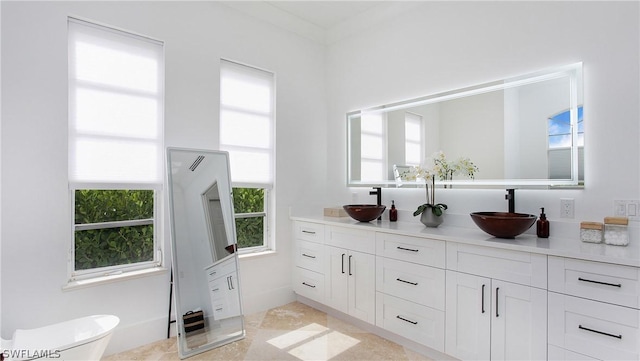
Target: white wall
(35, 204)
(439, 46)
(431, 47)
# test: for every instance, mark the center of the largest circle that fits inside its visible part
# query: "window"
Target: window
(247, 132)
(560, 142)
(413, 136)
(373, 147)
(116, 96)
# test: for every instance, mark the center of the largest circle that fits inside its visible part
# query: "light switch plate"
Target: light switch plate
(627, 208)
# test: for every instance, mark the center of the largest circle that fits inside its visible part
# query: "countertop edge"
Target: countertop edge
(553, 246)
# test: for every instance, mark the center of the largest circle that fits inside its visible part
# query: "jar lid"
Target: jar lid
(623, 221)
(591, 225)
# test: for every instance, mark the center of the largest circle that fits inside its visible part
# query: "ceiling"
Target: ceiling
(325, 14)
(322, 21)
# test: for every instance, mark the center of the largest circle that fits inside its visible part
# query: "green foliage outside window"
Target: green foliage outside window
(249, 230)
(113, 246)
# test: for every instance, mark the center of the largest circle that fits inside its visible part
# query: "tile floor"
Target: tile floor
(292, 332)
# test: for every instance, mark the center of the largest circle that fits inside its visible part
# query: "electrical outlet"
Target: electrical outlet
(627, 208)
(566, 208)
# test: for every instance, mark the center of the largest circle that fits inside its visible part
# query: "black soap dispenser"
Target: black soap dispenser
(393, 212)
(543, 225)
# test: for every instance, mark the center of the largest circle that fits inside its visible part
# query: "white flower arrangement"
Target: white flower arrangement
(444, 170)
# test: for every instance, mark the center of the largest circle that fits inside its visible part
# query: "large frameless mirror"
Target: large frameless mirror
(203, 240)
(521, 131)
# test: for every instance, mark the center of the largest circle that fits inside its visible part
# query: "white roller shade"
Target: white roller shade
(116, 107)
(247, 122)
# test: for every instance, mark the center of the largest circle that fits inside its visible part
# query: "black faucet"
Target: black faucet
(378, 194)
(511, 197)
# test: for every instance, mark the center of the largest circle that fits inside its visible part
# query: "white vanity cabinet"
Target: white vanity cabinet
(496, 303)
(309, 273)
(223, 288)
(410, 285)
(593, 310)
(350, 272)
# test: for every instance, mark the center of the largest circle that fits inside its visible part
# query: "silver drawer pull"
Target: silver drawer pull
(600, 283)
(407, 249)
(308, 285)
(600, 332)
(309, 256)
(308, 232)
(409, 282)
(405, 320)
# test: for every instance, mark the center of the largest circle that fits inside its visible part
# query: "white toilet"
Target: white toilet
(83, 339)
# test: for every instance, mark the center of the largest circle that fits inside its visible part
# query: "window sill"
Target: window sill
(256, 254)
(73, 285)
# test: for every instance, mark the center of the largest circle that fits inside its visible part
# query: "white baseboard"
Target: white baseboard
(132, 336)
(259, 302)
(140, 334)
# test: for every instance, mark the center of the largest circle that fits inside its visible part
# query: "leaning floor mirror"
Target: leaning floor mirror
(203, 242)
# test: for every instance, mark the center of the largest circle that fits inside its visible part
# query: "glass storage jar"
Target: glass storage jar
(591, 232)
(616, 231)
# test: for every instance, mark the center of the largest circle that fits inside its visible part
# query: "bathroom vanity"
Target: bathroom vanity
(467, 295)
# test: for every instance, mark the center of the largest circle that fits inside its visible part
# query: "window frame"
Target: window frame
(268, 186)
(107, 273)
(79, 275)
(265, 214)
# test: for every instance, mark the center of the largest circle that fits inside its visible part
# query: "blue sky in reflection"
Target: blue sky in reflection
(560, 130)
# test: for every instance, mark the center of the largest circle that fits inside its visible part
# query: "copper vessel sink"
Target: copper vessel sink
(364, 212)
(503, 224)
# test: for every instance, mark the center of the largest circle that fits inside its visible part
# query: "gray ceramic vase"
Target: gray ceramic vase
(431, 220)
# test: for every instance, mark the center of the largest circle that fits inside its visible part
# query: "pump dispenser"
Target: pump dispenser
(543, 225)
(393, 212)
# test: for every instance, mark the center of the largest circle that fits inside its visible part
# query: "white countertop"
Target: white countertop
(553, 246)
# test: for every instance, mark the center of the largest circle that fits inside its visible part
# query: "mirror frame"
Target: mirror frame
(572, 71)
(231, 233)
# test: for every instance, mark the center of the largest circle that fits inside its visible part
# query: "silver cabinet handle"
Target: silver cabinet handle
(600, 332)
(406, 320)
(350, 274)
(308, 232)
(343, 263)
(409, 282)
(308, 256)
(482, 305)
(600, 283)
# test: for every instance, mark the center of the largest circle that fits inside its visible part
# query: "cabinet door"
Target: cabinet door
(362, 282)
(468, 316)
(518, 326)
(225, 299)
(336, 278)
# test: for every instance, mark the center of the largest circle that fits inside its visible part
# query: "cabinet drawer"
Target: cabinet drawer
(428, 252)
(595, 280)
(352, 239)
(307, 231)
(559, 354)
(524, 268)
(595, 329)
(308, 284)
(418, 323)
(310, 255)
(416, 283)
(220, 269)
(219, 287)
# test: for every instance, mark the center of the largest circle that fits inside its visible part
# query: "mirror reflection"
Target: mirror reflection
(521, 131)
(203, 239)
